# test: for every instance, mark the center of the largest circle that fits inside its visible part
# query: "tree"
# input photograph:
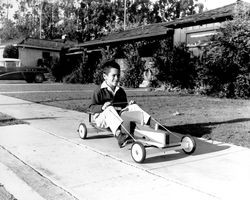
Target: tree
(8, 31)
(173, 9)
(4, 11)
(227, 62)
(85, 20)
(10, 51)
(27, 18)
(50, 19)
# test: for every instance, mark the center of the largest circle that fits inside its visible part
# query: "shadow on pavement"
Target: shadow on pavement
(202, 147)
(155, 155)
(37, 118)
(201, 129)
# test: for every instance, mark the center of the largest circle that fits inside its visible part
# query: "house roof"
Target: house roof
(142, 32)
(216, 15)
(39, 44)
(160, 29)
(44, 44)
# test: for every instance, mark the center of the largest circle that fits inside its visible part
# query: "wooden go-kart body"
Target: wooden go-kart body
(145, 136)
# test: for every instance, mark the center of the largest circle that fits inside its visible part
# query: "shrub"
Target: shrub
(176, 65)
(10, 51)
(81, 74)
(75, 77)
(227, 62)
(105, 55)
(60, 67)
(133, 75)
(242, 86)
(65, 66)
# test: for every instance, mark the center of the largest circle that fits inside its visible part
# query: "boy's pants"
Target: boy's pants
(109, 118)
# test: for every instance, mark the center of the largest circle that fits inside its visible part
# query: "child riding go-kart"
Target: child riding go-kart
(142, 136)
(127, 121)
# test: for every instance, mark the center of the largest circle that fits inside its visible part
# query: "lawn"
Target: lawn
(226, 120)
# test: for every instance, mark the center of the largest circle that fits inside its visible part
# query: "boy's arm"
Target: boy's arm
(95, 106)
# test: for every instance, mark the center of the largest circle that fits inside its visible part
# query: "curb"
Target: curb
(15, 186)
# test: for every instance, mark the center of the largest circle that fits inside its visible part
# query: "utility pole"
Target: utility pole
(7, 9)
(125, 15)
(40, 25)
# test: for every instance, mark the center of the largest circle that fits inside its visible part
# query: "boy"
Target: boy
(110, 106)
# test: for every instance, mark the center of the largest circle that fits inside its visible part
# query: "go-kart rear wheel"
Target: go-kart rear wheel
(138, 152)
(189, 143)
(82, 130)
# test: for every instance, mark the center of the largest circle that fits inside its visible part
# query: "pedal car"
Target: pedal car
(145, 136)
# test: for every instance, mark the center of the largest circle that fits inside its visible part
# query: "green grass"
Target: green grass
(225, 120)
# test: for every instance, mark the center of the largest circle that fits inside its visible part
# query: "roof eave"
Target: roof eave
(200, 21)
(120, 40)
(38, 47)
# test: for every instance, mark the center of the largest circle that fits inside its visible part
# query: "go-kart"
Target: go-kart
(145, 136)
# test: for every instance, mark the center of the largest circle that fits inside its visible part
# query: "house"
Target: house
(30, 50)
(194, 30)
(146, 33)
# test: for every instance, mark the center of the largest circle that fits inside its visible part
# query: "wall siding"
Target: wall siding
(29, 56)
(180, 33)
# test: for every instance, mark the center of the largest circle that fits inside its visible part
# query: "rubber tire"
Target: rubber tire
(191, 142)
(82, 131)
(29, 80)
(138, 152)
(39, 78)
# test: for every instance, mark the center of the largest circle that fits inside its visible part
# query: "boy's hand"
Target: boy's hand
(105, 105)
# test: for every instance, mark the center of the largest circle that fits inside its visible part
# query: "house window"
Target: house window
(201, 38)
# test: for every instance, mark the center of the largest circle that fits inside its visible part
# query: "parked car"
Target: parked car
(12, 69)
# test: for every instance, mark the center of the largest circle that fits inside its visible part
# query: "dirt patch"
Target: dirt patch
(6, 120)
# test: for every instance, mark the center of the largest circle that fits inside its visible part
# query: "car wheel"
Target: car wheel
(39, 78)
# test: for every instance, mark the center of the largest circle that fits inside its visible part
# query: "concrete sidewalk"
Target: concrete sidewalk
(97, 169)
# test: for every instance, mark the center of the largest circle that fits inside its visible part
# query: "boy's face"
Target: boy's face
(112, 78)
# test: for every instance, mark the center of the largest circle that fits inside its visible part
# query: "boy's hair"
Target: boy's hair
(108, 65)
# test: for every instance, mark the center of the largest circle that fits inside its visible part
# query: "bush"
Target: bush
(10, 51)
(65, 66)
(133, 75)
(242, 86)
(105, 56)
(60, 67)
(82, 74)
(176, 65)
(75, 77)
(227, 63)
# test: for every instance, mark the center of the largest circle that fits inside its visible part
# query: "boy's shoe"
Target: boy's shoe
(122, 139)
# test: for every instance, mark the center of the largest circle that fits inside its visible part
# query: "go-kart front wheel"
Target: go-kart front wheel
(82, 130)
(189, 144)
(138, 152)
